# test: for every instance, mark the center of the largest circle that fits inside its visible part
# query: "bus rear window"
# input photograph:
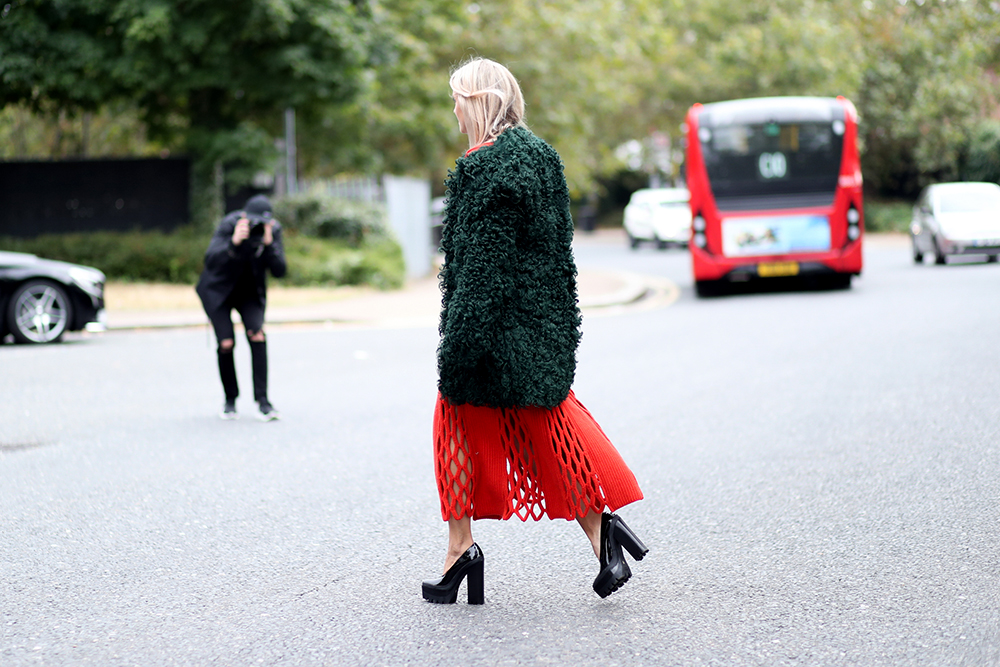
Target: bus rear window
(772, 158)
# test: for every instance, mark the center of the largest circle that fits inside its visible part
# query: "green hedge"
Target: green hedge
(134, 256)
(317, 215)
(177, 257)
(887, 215)
(323, 262)
(327, 242)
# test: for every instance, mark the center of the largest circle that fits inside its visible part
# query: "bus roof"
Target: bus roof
(759, 110)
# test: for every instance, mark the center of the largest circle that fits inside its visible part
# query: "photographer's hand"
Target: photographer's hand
(242, 231)
(268, 233)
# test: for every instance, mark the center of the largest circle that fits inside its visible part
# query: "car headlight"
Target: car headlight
(90, 281)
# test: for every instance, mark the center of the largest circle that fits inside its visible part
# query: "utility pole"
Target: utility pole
(291, 181)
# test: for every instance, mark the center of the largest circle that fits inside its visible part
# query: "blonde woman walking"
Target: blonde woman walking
(510, 438)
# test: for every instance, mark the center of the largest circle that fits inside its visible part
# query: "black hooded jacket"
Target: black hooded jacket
(230, 267)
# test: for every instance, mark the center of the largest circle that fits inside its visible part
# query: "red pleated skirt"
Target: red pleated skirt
(495, 463)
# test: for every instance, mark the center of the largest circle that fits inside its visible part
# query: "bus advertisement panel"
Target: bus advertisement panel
(775, 190)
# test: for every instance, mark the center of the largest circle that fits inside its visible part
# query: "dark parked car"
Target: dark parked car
(41, 299)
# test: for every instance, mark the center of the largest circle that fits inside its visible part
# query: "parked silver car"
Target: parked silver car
(956, 219)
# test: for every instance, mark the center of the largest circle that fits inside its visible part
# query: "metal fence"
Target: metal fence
(366, 189)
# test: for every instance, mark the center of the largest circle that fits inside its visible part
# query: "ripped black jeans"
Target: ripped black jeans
(252, 313)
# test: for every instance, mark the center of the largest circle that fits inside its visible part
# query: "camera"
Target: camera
(257, 222)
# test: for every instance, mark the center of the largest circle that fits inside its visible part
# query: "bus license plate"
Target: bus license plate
(777, 269)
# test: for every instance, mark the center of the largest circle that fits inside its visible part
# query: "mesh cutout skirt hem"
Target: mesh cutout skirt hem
(495, 463)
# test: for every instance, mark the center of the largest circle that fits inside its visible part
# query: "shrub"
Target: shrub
(322, 262)
(134, 256)
(318, 215)
(887, 215)
(177, 257)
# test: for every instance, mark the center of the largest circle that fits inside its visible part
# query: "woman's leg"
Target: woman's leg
(454, 472)
(460, 539)
(591, 524)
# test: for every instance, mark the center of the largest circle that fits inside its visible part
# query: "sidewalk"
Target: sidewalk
(132, 306)
(418, 304)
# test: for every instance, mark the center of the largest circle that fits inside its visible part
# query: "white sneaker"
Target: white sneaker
(229, 411)
(266, 412)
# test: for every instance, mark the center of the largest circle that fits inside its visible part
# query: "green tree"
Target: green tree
(401, 122)
(115, 130)
(923, 90)
(984, 152)
(211, 77)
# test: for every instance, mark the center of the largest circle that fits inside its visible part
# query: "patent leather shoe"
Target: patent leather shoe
(470, 567)
(615, 534)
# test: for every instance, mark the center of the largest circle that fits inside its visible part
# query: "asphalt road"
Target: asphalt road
(821, 470)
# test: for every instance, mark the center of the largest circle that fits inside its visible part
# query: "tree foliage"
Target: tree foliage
(984, 152)
(924, 88)
(369, 77)
(401, 121)
(212, 76)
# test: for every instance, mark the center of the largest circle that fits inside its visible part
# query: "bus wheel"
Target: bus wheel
(704, 288)
(839, 281)
(991, 259)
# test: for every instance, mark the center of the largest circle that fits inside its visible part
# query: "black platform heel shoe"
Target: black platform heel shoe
(445, 589)
(615, 534)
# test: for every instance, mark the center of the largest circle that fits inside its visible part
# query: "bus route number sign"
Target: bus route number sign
(772, 166)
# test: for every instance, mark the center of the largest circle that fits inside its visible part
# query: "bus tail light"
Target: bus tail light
(698, 225)
(853, 224)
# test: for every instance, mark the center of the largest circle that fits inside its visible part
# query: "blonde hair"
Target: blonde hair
(489, 97)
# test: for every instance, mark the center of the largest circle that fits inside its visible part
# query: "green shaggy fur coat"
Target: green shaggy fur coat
(510, 324)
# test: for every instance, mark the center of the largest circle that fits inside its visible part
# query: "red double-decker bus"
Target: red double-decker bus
(775, 188)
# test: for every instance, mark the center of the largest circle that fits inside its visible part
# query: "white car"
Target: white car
(956, 219)
(660, 216)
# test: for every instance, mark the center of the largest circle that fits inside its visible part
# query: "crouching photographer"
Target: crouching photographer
(246, 244)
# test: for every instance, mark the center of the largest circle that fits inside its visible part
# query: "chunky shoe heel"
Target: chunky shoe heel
(614, 570)
(475, 584)
(445, 589)
(629, 540)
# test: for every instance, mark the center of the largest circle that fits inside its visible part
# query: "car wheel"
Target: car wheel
(39, 312)
(991, 259)
(633, 242)
(938, 255)
(918, 257)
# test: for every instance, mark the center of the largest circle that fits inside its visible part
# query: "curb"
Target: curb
(638, 292)
(635, 288)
